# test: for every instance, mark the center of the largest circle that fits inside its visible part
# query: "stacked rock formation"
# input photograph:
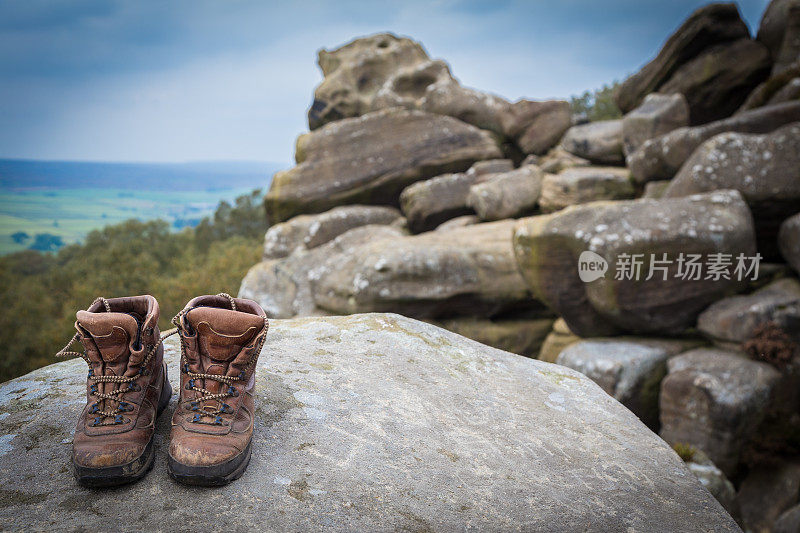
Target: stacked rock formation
(413, 194)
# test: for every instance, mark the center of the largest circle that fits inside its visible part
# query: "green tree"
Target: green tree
(598, 104)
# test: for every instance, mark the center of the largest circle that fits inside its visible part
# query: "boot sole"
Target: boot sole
(111, 476)
(213, 475)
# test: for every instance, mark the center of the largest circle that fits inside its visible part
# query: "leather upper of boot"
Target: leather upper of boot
(116, 343)
(217, 341)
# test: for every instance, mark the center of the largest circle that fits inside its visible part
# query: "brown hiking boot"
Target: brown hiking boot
(212, 427)
(126, 390)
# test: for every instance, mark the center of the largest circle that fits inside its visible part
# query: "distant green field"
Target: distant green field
(72, 213)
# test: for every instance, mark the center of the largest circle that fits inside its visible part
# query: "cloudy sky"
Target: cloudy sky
(187, 80)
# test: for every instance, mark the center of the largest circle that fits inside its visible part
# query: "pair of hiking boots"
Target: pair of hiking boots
(127, 388)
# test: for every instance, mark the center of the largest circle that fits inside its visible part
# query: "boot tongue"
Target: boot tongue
(223, 333)
(112, 333)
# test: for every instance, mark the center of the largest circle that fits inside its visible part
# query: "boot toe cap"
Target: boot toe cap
(193, 451)
(105, 455)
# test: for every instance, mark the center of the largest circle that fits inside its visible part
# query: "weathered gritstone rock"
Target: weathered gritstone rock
(304, 232)
(559, 159)
(580, 185)
(779, 88)
(734, 320)
(537, 126)
(658, 114)
(655, 189)
(789, 521)
(283, 286)
(717, 484)
(774, 22)
(764, 168)
(356, 71)
(708, 26)
(717, 82)
(459, 222)
(371, 159)
(629, 369)
(714, 400)
(522, 336)
(507, 195)
(548, 248)
(766, 492)
(556, 341)
(599, 142)
(662, 157)
(464, 271)
(429, 203)
(351, 413)
(789, 241)
(789, 53)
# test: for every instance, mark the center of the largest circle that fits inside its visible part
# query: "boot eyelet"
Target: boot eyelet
(125, 407)
(119, 419)
(94, 408)
(232, 391)
(186, 367)
(91, 372)
(226, 408)
(218, 420)
(196, 417)
(241, 374)
(133, 387)
(190, 384)
(194, 406)
(97, 421)
(93, 389)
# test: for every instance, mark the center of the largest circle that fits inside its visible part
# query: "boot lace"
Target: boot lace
(115, 397)
(201, 414)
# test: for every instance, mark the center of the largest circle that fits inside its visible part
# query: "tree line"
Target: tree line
(42, 291)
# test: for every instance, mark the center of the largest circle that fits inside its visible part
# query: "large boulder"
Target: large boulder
(716, 83)
(557, 160)
(714, 400)
(658, 114)
(707, 26)
(789, 54)
(351, 413)
(382, 71)
(662, 157)
(789, 241)
(371, 159)
(464, 271)
(537, 125)
(599, 142)
(779, 88)
(283, 286)
(766, 492)
(629, 369)
(580, 185)
(427, 204)
(305, 232)
(774, 22)
(734, 320)
(506, 195)
(714, 480)
(764, 168)
(355, 72)
(620, 236)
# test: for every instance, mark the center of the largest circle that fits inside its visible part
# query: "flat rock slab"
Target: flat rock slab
(374, 422)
